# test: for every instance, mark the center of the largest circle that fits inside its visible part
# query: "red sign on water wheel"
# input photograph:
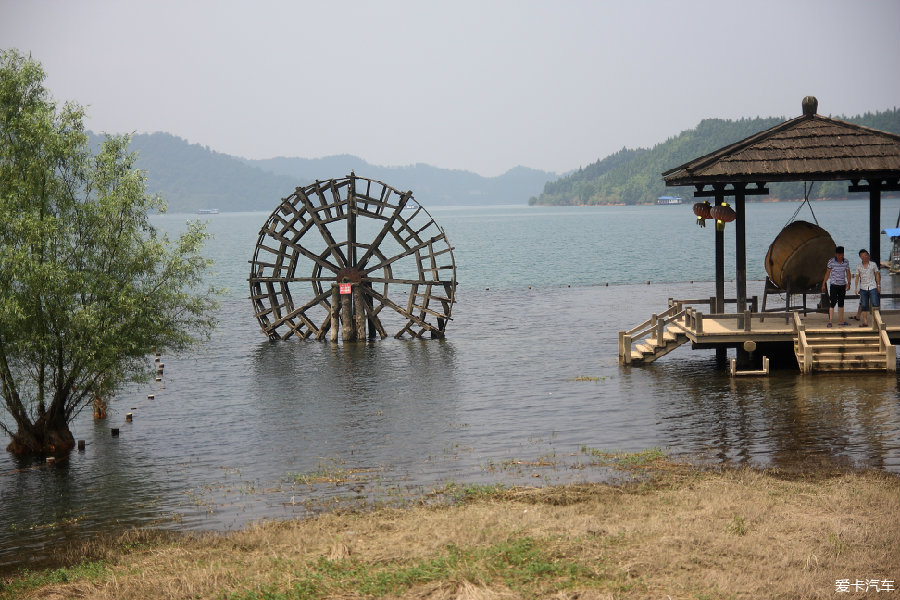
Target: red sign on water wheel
(345, 288)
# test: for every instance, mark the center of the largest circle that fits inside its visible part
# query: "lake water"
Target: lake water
(244, 429)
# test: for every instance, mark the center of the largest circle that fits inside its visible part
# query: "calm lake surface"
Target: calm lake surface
(244, 429)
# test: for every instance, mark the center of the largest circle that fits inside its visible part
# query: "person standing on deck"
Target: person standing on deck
(837, 274)
(868, 284)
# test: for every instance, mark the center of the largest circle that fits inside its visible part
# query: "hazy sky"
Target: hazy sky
(480, 85)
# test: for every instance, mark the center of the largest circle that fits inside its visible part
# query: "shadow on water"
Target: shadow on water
(372, 403)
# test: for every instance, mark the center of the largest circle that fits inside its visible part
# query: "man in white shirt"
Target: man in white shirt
(868, 285)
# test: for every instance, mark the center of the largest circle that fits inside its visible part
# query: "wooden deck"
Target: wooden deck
(816, 346)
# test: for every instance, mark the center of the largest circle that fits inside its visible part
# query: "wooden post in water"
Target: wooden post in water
(348, 331)
(359, 312)
(721, 352)
(335, 312)
(373, 331)
(875, 221)
(740, 259)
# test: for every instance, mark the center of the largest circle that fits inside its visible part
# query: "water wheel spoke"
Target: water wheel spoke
(372, 313)
(323, 228)
(323, 330)
(361, 263)
(319, 260)
(404, 281)
(286, 279)
(399, 309)
(404, 254)
(298, 311)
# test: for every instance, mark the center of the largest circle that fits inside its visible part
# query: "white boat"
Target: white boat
(208, 211)
(668, 200)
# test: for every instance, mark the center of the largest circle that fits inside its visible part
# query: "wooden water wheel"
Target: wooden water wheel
(354, 258)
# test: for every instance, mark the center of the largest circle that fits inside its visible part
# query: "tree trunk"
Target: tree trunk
(45, 437)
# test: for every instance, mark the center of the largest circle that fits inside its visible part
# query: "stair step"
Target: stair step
(645, 348)
(849, 339)
(837, 339)
(849, 358)
(847, 349)
(850, 366)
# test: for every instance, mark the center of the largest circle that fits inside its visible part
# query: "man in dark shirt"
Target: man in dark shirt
(837, 274)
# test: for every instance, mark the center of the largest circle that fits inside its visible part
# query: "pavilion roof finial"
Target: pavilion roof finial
(810, 106)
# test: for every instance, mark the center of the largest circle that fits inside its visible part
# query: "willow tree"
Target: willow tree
(88, 288)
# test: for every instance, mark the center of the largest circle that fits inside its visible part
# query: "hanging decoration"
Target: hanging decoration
(722, 213)
(701, 209)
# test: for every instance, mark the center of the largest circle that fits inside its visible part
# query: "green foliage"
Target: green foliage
(625, 460)
(635, 176)
(89, 288)
(528, 565)
(31, 580)
(469, 492)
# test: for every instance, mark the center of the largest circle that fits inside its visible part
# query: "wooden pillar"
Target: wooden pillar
(348, 330)
(875, 222)
(740, 247)
(370, 305)
(335, 312)
(740, 268)
(721, 351)
(720, 266)
(359, 312)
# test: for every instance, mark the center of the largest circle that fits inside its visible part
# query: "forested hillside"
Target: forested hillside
(635, 176)
(192, 177)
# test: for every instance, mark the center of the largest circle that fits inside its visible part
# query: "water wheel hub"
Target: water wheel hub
(348, 275)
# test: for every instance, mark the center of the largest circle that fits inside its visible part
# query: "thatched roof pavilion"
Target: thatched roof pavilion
(808, 148)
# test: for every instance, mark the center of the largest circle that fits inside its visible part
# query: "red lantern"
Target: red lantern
(701, 209)
(722, 213)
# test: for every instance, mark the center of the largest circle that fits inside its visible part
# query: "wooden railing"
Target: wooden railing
(752, 303)
(884, 341)
(744, 321)
(655, 326)
(804, 351)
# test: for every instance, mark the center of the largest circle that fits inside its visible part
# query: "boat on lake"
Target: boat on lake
(668, 200)
(208, 211)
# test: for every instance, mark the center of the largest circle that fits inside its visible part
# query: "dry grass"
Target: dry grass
(683, 533)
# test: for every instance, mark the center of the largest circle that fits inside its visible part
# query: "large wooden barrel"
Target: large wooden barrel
(798, 256)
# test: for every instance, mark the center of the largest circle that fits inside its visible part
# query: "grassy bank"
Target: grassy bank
(679, 532)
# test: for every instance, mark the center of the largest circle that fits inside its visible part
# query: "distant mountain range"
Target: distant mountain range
(192, 177)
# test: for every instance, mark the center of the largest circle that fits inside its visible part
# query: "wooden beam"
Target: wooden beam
(719, 190)
(885, 185)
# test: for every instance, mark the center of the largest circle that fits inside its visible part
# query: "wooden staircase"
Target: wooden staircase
(844, 349)
(655, 337)
(652, 348)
